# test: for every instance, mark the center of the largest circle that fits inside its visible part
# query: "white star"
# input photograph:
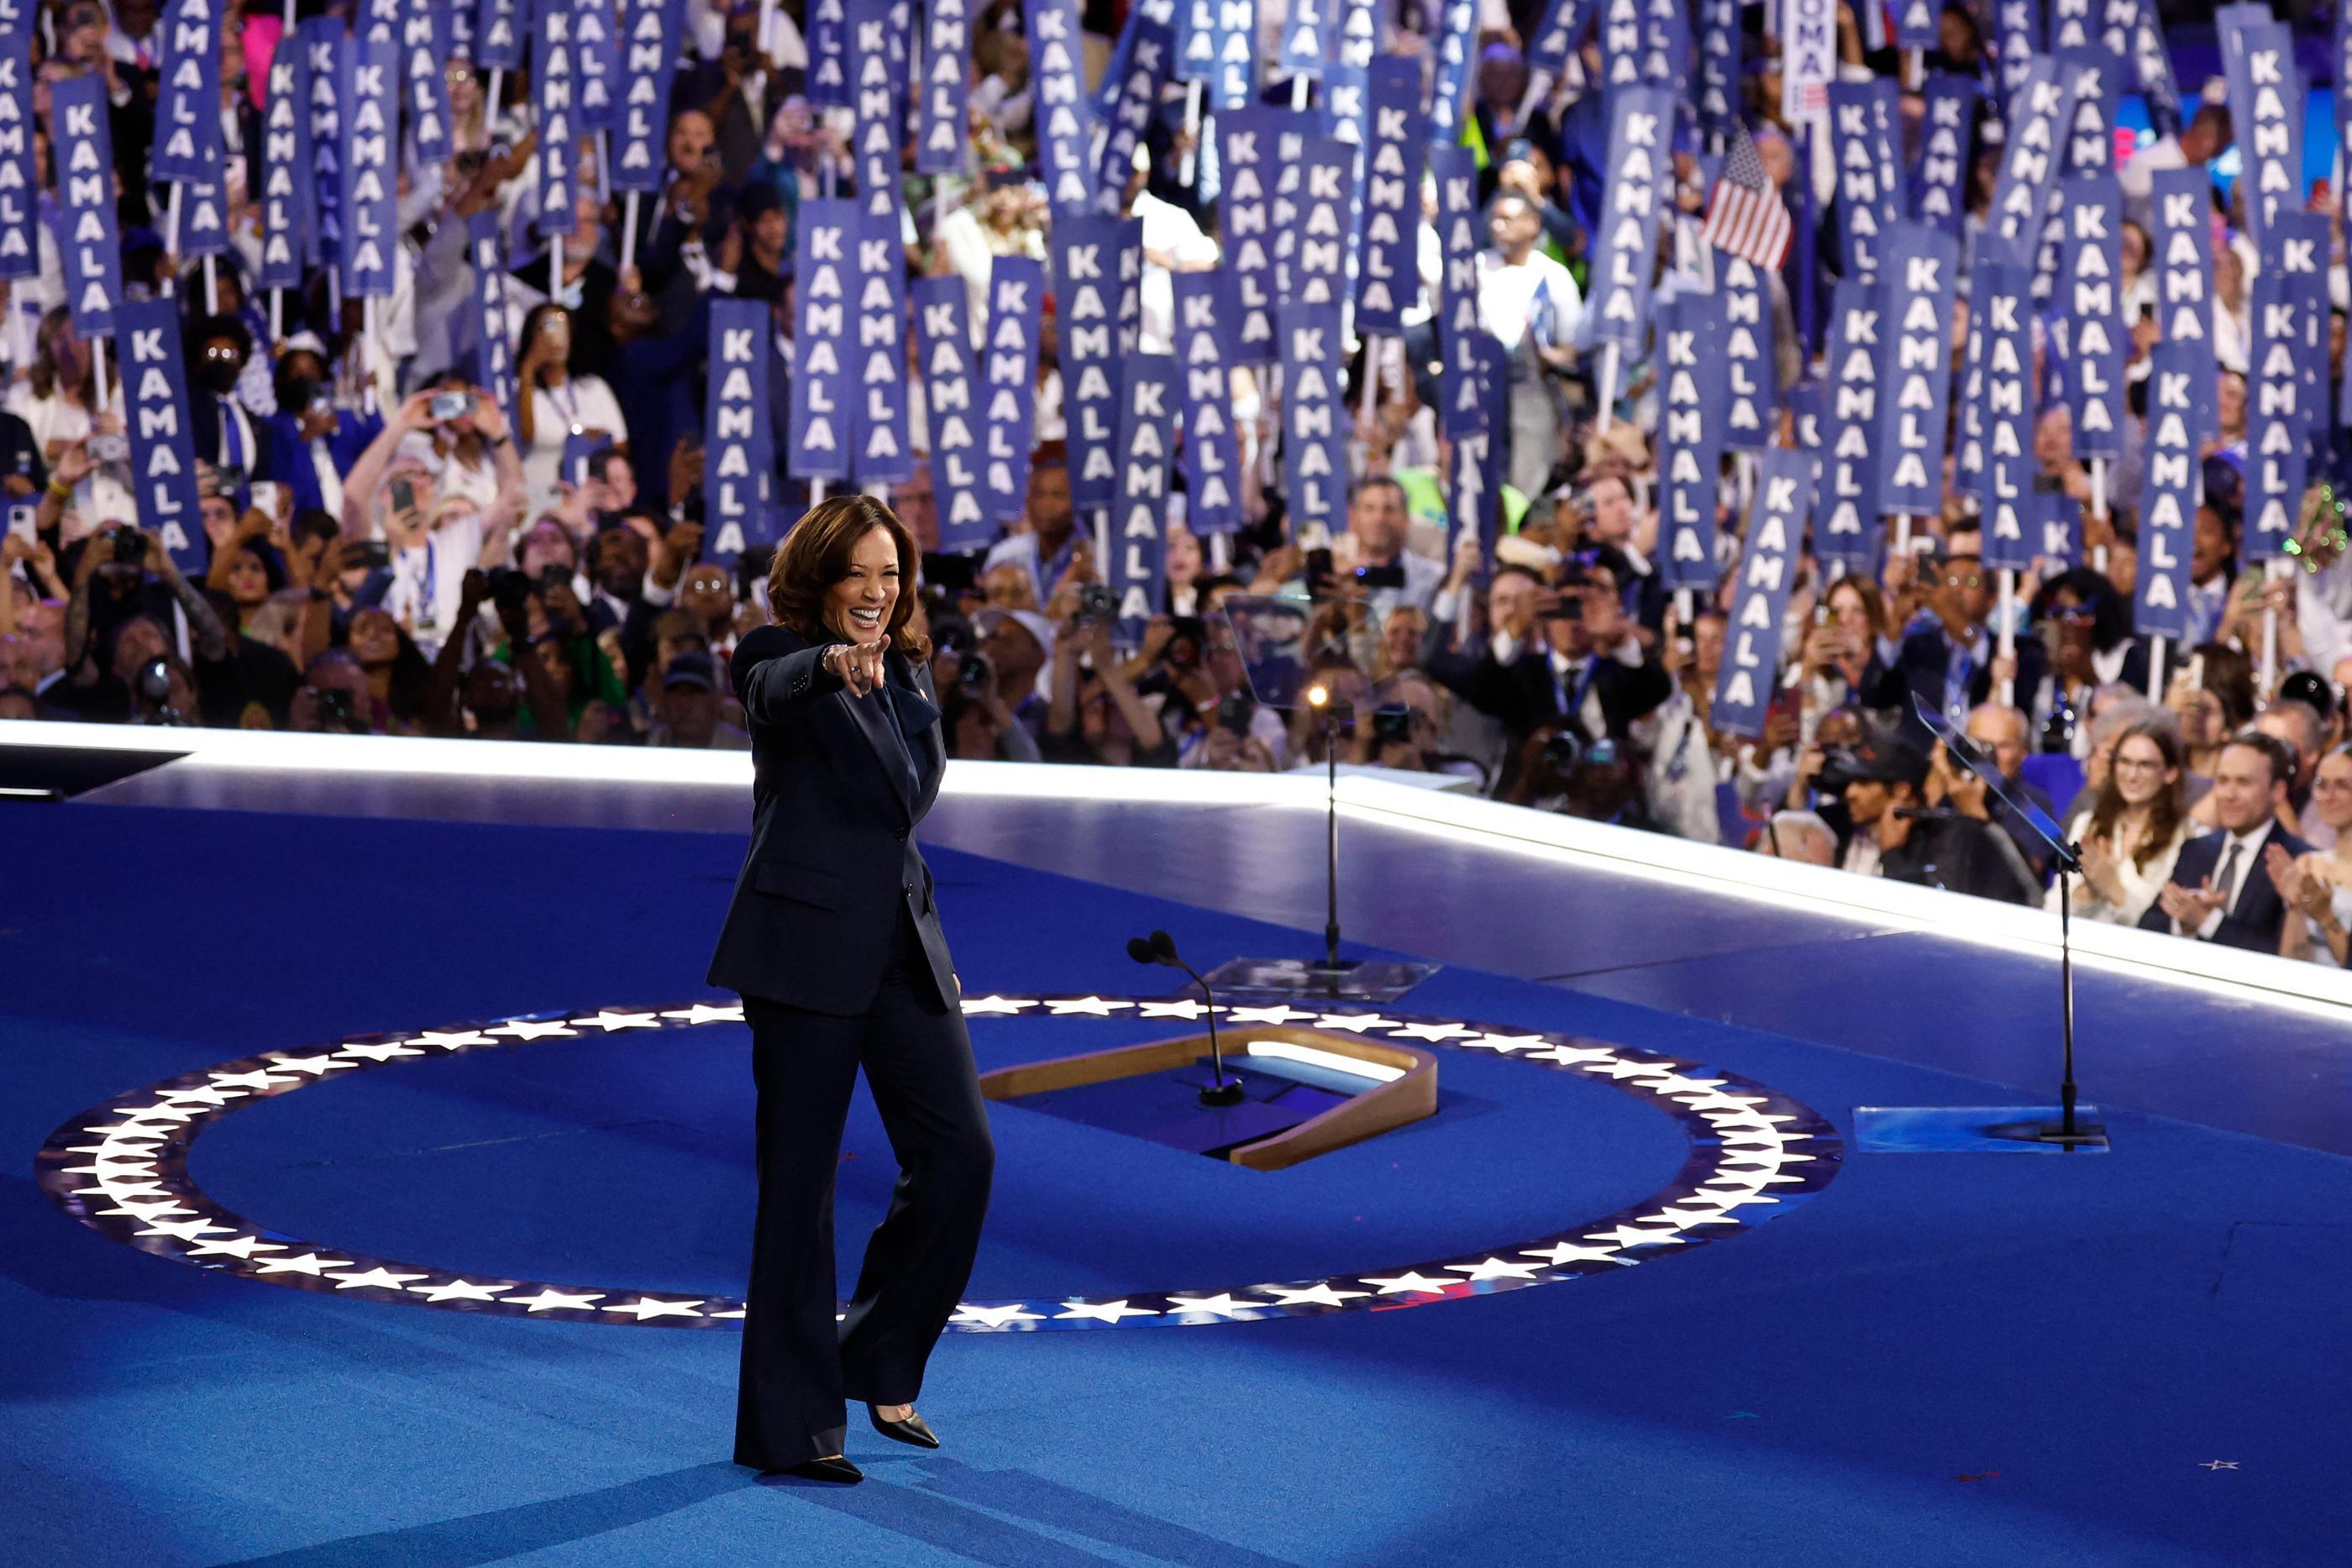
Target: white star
(736, 1313)
(1188, 1009)
(2219, 1465)
(1355, 1023)
(1626, 1235)
(1495, 1269)
(317, 1066)
(459, 1290)
(997, 1317)
(157, 1113)
(1221, 1305)
(551, 1298)
(209, 1097)
(1091, 1007)
(1573, 1055)
(1751, 1178)
(703, 1012)
(451, 1040)
(612, 1022)
(648, 1307)
(145, 1212)
(110, 1169)
(1318, 1294)
(1720, 1102)
(1675, 1084)
(243, 1247)
(185, 1230)
(309, 1263)
(1631, 1069)
(975, 1006)
(1733, 1200)
(530, 1028)
(1105, 1312)
(1413, 1283)
(1685, 1218)
(1433, 1031)
(1505, 1043)
(1768, 1138)
(1280, 1013)
(384, 1052)
(259, 1078)
(1564, 1252)
(123, 1190)
(377, 1279)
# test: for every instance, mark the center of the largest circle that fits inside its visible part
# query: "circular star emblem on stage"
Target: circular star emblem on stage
(122, 1169)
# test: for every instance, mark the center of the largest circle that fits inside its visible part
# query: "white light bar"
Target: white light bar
(1447, 816)
(1329, 1060)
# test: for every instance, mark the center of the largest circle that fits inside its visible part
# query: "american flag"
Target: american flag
(1745, 215)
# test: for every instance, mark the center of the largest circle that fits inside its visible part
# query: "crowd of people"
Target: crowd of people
(390, 550)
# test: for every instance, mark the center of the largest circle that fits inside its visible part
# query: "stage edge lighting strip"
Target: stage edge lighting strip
(2255, 977)
(122, 1169)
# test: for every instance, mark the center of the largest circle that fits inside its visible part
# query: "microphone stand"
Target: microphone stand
(1161, 948)
(2067, 856)
(1220, 1091)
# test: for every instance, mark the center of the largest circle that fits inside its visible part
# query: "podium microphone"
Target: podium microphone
(1161, 948)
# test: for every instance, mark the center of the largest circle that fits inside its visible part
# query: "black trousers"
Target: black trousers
(799, 1365)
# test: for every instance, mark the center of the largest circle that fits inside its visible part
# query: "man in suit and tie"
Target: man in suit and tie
(2221, 891)
(1564, 659)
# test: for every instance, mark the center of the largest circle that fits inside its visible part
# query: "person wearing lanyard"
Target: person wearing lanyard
(556, 403)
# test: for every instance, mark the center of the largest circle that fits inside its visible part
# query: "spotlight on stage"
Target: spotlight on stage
(1161, 948)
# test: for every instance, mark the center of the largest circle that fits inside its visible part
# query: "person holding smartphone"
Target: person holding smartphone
(556, 403)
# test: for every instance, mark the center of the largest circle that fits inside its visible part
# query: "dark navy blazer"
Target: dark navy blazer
(833, 862)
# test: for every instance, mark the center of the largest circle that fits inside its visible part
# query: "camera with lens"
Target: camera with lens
(152, 682)
(1838, 769)
(1097, 604)
(1565, 753)
(509, 590)
(1392, 723)
(130, 547)
(1234, 710)
(974, 675)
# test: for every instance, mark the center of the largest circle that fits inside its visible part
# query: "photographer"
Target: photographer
(433, 539)
(972, 683)
(1563, 661)
(1096, 716)
(486, 700)
(1895, 837)
(125, 579)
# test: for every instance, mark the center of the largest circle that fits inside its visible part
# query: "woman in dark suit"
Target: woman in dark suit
(834, 942)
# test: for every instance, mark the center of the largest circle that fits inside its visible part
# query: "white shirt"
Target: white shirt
(428, 580)
(1507, 296)
(2137, 177)
(582, 402)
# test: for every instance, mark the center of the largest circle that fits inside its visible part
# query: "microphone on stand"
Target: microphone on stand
(1161, 948)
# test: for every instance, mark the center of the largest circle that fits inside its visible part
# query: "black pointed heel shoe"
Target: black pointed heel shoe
(836, 1469)
(913, 1430)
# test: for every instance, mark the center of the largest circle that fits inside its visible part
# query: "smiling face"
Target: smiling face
(2141, 771)
(374, 639)
(858, 606)
(2331, 792)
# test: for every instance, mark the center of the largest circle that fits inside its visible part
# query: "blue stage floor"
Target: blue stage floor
(2133, 1360)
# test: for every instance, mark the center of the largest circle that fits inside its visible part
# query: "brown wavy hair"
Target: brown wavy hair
(2169, 808)
(816, 555)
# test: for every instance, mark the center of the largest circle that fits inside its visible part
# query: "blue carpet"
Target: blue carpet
(1940, 1360)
